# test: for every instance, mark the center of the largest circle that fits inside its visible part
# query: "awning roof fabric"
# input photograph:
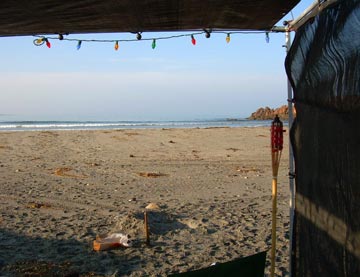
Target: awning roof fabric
(26, 17)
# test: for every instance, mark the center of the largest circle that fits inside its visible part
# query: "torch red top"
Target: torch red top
(276, 135)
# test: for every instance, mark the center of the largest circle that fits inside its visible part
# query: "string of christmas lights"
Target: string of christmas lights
(40, 40)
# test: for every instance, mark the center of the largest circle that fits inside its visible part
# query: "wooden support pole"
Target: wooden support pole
(273, 227)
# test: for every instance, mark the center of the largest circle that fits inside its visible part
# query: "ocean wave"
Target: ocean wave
(90, 125)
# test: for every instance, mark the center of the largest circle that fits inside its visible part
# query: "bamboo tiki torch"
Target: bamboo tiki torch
(276, 148)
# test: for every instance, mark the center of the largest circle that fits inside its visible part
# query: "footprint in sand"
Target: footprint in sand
(191, 223)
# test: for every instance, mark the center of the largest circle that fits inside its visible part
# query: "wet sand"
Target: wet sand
(59, 189)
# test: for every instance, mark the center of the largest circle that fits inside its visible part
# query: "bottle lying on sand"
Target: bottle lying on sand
(111, 241)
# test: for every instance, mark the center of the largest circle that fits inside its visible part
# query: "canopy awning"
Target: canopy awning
(24, 17)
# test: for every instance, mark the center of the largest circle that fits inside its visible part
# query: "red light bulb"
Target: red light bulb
(48, 44)
(193, 40)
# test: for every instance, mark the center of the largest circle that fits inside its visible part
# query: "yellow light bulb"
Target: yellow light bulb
(228, 38)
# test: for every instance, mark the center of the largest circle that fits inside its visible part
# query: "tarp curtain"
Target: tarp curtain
(251, 266)
(323, 66)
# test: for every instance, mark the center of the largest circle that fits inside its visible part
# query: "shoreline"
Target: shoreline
(122, 125)
(213, 187)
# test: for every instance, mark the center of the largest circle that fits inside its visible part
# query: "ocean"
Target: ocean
(106, 125)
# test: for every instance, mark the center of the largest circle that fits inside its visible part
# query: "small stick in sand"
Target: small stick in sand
(146, 227)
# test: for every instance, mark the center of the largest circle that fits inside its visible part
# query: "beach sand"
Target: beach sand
(59, 189)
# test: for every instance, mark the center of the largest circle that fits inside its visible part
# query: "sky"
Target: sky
(174, 81)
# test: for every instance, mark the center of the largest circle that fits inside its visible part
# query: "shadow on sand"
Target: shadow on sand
(27, 256)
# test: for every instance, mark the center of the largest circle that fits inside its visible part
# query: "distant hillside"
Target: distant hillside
(268, 113)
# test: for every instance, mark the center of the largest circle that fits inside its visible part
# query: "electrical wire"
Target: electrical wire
(145, 39)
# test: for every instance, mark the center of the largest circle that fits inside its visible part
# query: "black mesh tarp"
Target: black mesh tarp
(324, 67)
(251, 266)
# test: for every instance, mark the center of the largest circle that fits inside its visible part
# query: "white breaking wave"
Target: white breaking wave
(87, 125)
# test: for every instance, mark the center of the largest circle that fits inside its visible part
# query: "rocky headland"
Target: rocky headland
(268, 113)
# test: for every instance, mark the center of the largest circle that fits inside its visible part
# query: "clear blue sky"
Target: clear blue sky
(176, 81)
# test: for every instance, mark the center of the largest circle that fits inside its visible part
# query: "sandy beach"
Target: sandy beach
(59, 189)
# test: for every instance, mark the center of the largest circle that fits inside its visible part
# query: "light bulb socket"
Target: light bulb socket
(207, 33)
(138, 36)
(267, 37)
